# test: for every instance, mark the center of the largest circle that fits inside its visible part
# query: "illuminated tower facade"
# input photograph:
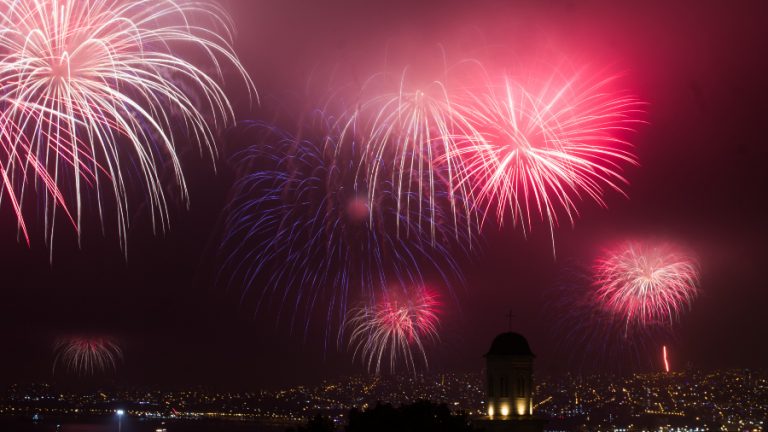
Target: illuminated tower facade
(509, 386)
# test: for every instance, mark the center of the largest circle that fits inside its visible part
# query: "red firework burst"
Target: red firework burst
(544, 146)
(645, 283)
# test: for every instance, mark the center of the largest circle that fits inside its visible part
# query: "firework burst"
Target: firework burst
(304, 228)
(87, 355)
(408, 134)
(594, 338)
(544, 146)
(644, 283)
(95, 91)
(393, 327)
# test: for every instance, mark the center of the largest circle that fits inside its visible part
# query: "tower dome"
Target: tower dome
(510, 343)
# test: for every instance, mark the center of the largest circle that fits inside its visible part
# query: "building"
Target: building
(509, 387)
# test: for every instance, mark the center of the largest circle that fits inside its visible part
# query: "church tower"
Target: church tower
(509, 386)
(509, 376)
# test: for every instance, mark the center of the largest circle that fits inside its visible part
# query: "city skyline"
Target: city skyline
(685, 400)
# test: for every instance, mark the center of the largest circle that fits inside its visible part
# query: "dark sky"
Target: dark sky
(701, 66)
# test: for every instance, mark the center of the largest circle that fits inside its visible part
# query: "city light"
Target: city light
(698, 398)
(120, 413)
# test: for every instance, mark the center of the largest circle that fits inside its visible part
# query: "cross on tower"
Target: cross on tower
(509, 316)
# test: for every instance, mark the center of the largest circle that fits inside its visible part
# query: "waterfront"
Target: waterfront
(135, 425)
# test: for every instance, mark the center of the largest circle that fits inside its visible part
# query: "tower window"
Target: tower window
(490, 385)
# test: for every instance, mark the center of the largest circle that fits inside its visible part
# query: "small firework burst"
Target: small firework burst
(393, 327)
(87, 355)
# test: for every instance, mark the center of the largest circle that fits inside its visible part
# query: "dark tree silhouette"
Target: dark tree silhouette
(316, 424)
(421, 416)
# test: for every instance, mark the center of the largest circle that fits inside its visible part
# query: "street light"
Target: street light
(120, 414)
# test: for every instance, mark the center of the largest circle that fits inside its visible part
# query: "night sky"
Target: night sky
(702, 68)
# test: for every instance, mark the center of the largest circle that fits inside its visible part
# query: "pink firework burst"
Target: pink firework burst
(645, 284)
(409, 128)
(543, 146)
(87, 355)
(393, 326)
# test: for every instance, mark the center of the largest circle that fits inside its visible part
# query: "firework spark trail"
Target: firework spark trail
(302, 229)
(397, 323)
(664, 357)
(87, 355)
(544, 146)
(95, 89)
(644, 283)
(18, 155)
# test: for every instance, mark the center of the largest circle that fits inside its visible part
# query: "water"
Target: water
(136, 425)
